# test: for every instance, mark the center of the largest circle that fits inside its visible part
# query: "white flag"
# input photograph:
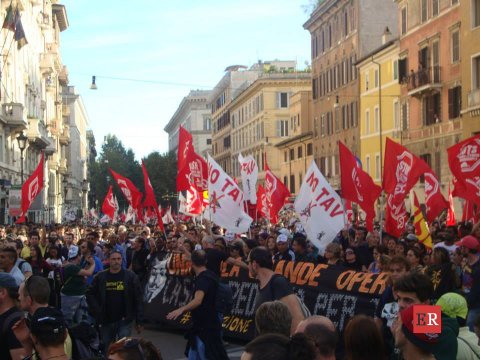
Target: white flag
(130, 214)
(320, 209)
(168, 218)
(249, 172)
(226, 200)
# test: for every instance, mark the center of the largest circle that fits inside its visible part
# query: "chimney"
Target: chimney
(387, 35)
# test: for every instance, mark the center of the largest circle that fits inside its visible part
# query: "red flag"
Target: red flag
(435, 203)
(401, 170)
(276, 194)
(357, 185)
(150, 200)
(31, 188)
(349, 211)
(192, 168)
(451, 219)
(468, 213)
(395, 217)
(464, 162)
(261, 201)
(108, 206)
(131, 193)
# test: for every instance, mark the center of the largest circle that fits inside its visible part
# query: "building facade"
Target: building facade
(260, 118)
(431, 83)
(194, 115)
(342, 31)
(77, 153)
(470, 66)
(379, 106)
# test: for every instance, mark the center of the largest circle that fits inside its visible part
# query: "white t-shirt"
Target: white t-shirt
(17, 275)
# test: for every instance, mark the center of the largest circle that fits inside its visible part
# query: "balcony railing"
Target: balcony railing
(424, 78)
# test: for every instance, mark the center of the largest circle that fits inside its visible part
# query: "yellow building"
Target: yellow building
(296, 152)
(260, 118)
(470, 66)
(379, 106)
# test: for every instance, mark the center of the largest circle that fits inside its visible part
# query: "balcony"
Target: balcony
(473, 102)
(438, 130)
(65, 110)
(47, 65)
(37, 133)
(12, 115)
(53, 127)
(424, 81)
(51, 147)
(65, 135)
(62, 168)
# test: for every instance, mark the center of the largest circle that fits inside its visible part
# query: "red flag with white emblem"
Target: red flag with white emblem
(31, 188)
(131, 193)
(150, 200)
(435, 203)
(395, 217)
(108, 206)
(276, 194)
(192, 168)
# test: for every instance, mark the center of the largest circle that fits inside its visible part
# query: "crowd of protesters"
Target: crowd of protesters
(77, 274)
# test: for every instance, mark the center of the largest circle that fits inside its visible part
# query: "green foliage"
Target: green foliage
(162, 170)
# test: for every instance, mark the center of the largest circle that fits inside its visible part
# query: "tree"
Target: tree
(162, 170)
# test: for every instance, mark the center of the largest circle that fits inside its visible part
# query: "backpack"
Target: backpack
(305, 310)
(85, 342)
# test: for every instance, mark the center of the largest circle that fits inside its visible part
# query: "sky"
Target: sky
(147, 57)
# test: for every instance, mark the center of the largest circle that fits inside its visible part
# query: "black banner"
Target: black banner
(330, 291)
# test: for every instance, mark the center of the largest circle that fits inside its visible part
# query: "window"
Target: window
(314, 88)
(402, 70)
(367, 81)
(337, 120)
(292, 184)
(367, 164)
(282, 100)
(396, 115)
(209, 141)
(367, 122)
(423, 10)
(475, 13)
(299, 152)
(377, 166)
(431, 109)
(285, 180)
(376, 78)
(476, 73)
(455, 46)
(376, 119)
(285, 156)
(207, 123)
(309, 149)
(435, 7)
(395, 69)
(292, 154)
(454, 102)
(404, 21)
(404, 116)
(282, 128)
(453, 3)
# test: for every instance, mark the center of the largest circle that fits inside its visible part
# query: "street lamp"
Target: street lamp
(22, 144)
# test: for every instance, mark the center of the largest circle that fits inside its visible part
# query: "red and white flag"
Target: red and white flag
(349, 211)
(249, 173)
(131, 193)
(357, 185)
(469, 212)
(108, 206)
(192, 168)
(262, 207)
(464, 162)
(276, 194)
(226, 200)
(191, 205)
(168, 218)
(31, 188)
(150, 201)
(451, 219)
(320, 208)
(435, 203)
(396, 217)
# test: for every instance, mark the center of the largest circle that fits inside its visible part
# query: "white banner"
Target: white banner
(226, 200)
(320, 209)
(249, 172)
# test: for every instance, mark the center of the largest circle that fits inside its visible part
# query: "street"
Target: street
(172, 344)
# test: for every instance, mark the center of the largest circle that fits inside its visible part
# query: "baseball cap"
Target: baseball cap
(422, 340)
(469, 241)
(282, 238)
(47, 320)
(453, 305)
(72, 252)
(7, 281)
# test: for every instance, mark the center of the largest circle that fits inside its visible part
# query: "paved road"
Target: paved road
(172, 344)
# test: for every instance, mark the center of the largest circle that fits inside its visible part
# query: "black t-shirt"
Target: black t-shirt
(139, 262)
(214, 259)
(278, 287)
(205, 317)
(115, 298)
(8, 341)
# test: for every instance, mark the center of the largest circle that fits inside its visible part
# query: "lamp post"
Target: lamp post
(22, 144)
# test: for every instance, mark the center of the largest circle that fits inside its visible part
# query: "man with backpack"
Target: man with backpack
(204, 339)
(10, 347)
(273, 286)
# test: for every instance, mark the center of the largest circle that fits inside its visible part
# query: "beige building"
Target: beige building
(260, 118)
(296, 152)
(470, 65)
(342, 31)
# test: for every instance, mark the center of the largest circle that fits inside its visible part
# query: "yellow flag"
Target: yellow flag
(421, 227)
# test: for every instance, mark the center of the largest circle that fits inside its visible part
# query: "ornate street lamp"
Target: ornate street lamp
(22, 144)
